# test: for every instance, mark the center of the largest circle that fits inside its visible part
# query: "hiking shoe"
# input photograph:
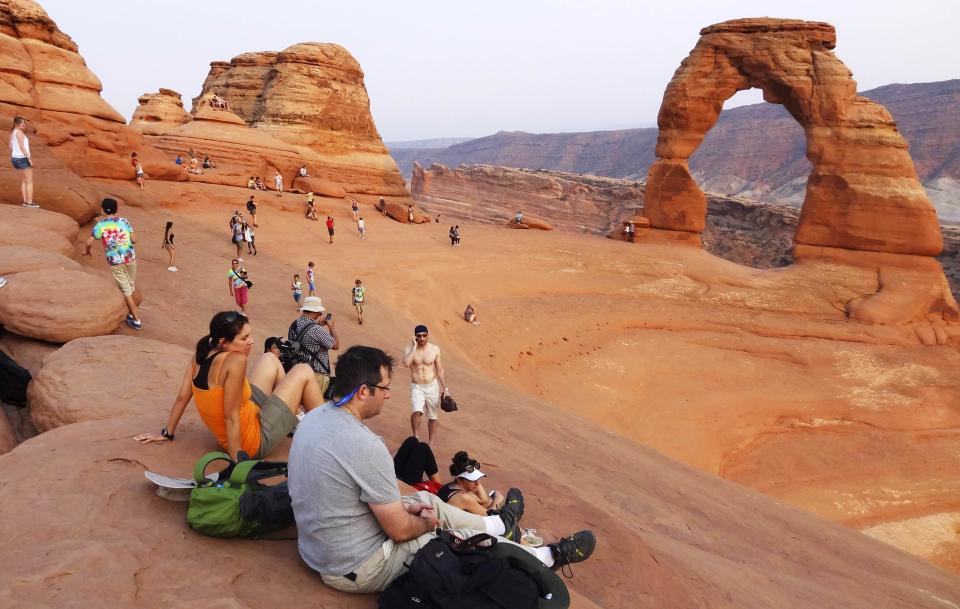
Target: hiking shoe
(31, 205)
(530, 538)
(3, 281)
(575, 548)
(510, 513)
(133, 323)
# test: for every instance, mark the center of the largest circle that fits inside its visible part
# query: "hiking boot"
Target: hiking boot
(510, 513)
(575, 548)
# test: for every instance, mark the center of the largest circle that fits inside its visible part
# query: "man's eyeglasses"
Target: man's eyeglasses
(387, 388)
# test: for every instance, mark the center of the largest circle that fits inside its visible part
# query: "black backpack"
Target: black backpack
(14, 379)
(451, 573)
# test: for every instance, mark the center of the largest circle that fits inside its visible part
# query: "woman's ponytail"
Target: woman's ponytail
(204, 345)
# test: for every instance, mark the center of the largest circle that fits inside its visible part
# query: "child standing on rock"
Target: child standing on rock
(297, 288)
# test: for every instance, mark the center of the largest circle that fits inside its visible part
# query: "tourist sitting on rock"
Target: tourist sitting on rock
(178, 160)
(248, 415)
(470, 315)
(252, 183)
(303, 171)
(311, 210)
(208, 162)
(465, 490)
(259, 184)
(194, 167)
(353, 526)
(415, 465)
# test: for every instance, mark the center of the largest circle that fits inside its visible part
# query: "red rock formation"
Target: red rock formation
(312, 96)
(863, 191)
(158, 113)
(491, 195)
(43, 78)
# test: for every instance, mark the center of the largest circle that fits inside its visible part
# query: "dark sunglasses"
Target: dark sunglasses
(472, 467)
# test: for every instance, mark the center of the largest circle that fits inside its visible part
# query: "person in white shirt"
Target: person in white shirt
(22, 161)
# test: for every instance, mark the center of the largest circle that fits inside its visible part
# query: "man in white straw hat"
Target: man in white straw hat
(315, 333)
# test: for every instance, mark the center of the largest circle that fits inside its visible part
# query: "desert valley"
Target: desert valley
(755, 402)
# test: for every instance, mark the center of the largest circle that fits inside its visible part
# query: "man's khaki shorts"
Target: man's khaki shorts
(324, 381)
(125, 275)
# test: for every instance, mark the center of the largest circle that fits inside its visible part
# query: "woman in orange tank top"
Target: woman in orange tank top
(250, 415)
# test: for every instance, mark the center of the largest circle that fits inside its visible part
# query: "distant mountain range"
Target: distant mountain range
(755, 151)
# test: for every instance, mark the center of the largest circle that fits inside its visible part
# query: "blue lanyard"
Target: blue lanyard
(347, 397)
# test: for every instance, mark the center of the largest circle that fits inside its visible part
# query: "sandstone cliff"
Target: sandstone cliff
(43, 77)
(488, 194)
(312, 97)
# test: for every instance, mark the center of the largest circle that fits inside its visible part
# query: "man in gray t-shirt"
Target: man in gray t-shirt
(353, 526)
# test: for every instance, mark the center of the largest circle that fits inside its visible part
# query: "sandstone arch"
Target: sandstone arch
(862, 193)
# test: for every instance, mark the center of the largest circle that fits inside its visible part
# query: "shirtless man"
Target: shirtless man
(427, 384)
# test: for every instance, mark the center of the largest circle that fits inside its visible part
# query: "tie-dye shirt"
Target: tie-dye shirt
(116, 236)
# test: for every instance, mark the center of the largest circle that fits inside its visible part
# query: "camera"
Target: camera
(288, 354)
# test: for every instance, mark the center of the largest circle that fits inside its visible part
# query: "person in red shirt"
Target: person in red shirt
(330, 228)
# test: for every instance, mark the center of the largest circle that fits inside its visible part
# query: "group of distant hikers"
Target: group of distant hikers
(355, 528)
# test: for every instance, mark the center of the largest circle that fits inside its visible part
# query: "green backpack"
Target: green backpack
(236, 504)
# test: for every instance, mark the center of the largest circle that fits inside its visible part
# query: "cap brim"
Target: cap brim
(472, 476)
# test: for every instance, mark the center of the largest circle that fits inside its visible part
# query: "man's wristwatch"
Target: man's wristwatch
(166, 434)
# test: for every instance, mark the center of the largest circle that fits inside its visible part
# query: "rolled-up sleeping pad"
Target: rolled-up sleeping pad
(547, 581)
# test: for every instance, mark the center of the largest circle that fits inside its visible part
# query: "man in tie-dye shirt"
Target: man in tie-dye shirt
(116, 235)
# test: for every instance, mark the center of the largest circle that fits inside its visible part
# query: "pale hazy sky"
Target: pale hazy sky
(445, 69)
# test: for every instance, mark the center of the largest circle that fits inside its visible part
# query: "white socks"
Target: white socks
(545, 554)
(493, 525)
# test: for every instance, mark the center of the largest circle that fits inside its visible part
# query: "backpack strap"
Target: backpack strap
(238, 476)
(200, 469)
(312, 354)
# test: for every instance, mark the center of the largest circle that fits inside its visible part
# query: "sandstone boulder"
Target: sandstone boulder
(158, 113)
(81, 382)
(400, 211)
(40, 218)
(862, 192)
(56, 187)
(529, 224)
(20, 258)
(39, 238)
(58, 306)
(319, 187)
(311, 95)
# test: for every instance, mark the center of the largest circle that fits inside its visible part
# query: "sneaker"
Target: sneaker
(575, 548)
(510, 513)
(530, 538)
(31, 205)
(172, 269)
(130, 317)
(134, 324)
(3, 281)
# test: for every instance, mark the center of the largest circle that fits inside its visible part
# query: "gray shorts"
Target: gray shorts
(276, 420)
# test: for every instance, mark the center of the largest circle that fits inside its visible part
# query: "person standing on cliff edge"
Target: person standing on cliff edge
(427, 382)
(22, 161)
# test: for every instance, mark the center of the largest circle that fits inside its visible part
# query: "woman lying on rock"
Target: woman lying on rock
(245, 414)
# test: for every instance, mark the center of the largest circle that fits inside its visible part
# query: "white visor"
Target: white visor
(473, 476)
